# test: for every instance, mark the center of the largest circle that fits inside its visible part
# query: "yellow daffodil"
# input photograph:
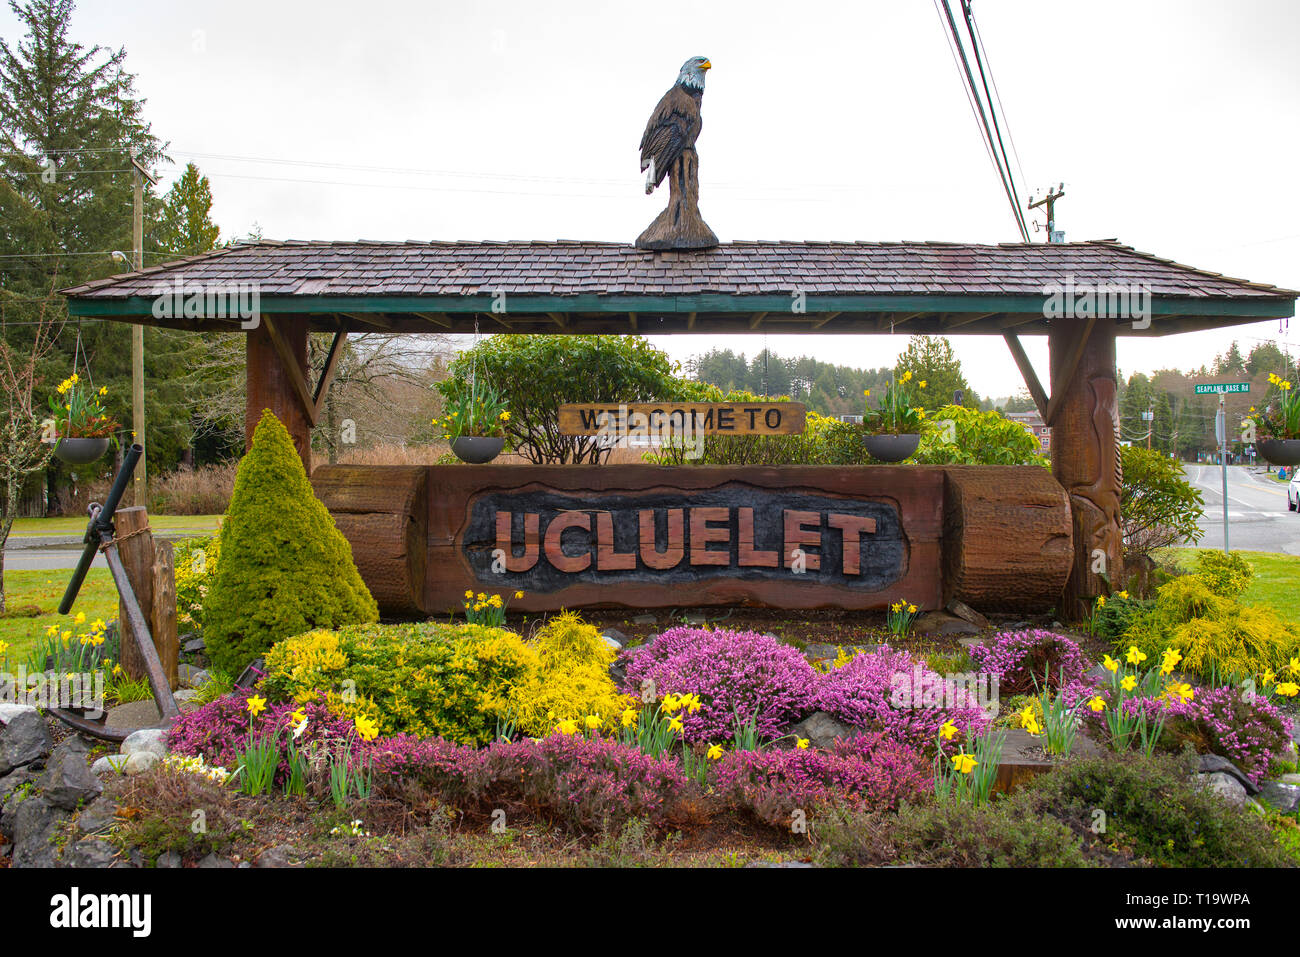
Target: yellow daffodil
(671, 703)
(1288, 689)
(948, 730)
(1268, 678)
(519, 594)
(1109, 663)
(1134, 656)
(4, 646)
(1122, 594)
(911, 609)
(593, 721)
(469, 594)
(505, 416)
(1182, 690)
(51, 631)
(921, 383)
(367, 727)
(866, 392)
(964, 763)
(256, 705)
(567, 726)
(1169, 660)
(675, 725)
(629, 717)
(80, 619)
(1129, 683)
(1294, 666)
(714, 752)
(297, 717)
(1101, 601)
(1097, 703)
(802, 744)
(1028, 721)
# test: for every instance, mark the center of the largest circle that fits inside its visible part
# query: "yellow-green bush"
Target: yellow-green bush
(459, 682)
(196, 568)
(1226, 575)
(1214, 633)
(571, 680)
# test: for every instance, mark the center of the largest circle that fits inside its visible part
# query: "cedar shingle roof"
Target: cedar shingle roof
(565, 268)
(586, 287)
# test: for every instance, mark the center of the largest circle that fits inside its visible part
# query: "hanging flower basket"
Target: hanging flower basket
(892, 448)
(80, 451)
(477, 449)
(1280, 451)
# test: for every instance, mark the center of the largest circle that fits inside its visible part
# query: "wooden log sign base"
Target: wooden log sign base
(995, 537)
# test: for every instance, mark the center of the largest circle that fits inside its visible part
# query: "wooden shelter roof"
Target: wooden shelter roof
(587, 287)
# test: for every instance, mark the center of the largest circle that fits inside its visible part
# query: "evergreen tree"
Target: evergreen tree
(932, 359)
(186, 227)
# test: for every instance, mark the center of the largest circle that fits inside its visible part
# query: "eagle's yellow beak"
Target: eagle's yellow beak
(706, 65)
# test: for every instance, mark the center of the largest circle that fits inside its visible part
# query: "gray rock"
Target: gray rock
(697, 619)
(153, 740)
(1282, 797)
(213, 861)
(89, 853)
(12, 793)
(821, 651)
(109, 764)
(280, 856)
(133, 714)
(192, 677)
(969, 643)
(168, 859)
(967, 613)
(192, 644)
(98, 818)
(35, 826)
(1290, 779)
(821, 729)
(68, 783)
(140, 762)
(1098, 673)
(24, 738)
(1216, 764)
(942, 623)
(614, 638)
(1225, 786)
(645, 620)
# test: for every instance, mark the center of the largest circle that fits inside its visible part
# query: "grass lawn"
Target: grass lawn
(1276, 582)
(76, 525)
(97, 598)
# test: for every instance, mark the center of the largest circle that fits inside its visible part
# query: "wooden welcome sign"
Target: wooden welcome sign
(645, 536)
(685, 418)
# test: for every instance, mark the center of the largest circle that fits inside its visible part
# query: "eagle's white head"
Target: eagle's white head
(692, 74)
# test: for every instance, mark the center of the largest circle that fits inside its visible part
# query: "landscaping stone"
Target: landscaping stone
(185, 699)
(192, 643)
(942, 623)
(91, 852)
(1225, 786)
(109, 764)
(280, 856)
(1282, 797)
(192, 677)
(1290, 779)
(134, 714)
(1098, 673)
(249, 676)
(614, 638)
(821, 651)
(146, 739)
(68, 782)
(24, 738)
(821, 729)
(1215, 764)
(969, 643)
(97, 818)
(35, 822)
(213, 861)
(697, 619)
(645, 620)
(967, 613)
(168, 859)
(140, 762)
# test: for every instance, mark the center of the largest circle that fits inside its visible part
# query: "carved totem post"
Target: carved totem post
(680, 226)
(1085, 456)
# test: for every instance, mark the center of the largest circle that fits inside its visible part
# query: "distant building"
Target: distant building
(1033, 423)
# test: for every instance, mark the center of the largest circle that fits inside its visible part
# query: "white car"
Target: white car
(1293, 493)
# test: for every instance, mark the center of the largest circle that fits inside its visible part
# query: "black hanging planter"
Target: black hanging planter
(1279, 451)
(477, 449)
(80, 451)
(892, 448)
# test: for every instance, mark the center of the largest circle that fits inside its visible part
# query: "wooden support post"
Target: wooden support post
(163, 620)
(135, 546)
(1085, 457)
(272, 386)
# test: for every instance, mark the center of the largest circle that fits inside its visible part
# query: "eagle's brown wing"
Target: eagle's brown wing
(672, 128)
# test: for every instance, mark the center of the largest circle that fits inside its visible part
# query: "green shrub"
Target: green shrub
(1157, 506)
(196, 569)
(1216, 636)
(457, 681)
(536, 374)
(824, 441)
(1227, 575)
(956, 435)
(1113, 619)
(285, 568)
(1153, 807)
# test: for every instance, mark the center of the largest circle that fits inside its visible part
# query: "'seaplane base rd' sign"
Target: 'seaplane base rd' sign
(685, 418)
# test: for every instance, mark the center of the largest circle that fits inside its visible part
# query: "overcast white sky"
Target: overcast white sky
(1172, 124)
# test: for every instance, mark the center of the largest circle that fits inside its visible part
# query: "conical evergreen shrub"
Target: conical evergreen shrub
(285, 568)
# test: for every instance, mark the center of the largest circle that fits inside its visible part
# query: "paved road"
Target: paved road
(1257, 514)
(53, 558)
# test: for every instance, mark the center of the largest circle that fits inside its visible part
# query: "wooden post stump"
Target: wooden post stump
(680, 226)
(135, 546)
(162, 623)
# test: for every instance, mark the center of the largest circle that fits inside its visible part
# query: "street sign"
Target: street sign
(1214, 388)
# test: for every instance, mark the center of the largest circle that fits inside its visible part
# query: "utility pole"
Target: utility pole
(1221, 433)
(1050, 202)
(140, 489)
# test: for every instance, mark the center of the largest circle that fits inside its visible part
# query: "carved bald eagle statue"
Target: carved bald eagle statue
(675, 123)
(668, 152)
